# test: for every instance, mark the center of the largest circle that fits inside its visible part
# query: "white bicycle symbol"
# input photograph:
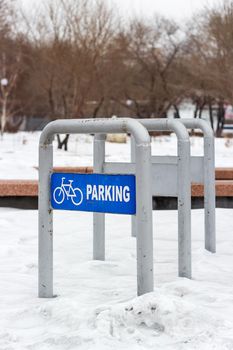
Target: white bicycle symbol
(67, 190)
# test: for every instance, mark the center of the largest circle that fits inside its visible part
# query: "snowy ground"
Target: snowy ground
(19, 152)
(96, 307)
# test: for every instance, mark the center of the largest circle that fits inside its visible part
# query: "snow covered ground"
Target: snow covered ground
(19, 152)
(96, 306)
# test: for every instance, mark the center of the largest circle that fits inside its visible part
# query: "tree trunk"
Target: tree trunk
(220, 116)
(177, 112)
(211, 115)
(196, 110)
(97, 108)
(63, 143)
(3, 116)
(201, 110)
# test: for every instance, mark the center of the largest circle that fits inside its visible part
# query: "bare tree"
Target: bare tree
(9, 73)
(71, 40)
(152, 53)
(10, 61)
(209, 60)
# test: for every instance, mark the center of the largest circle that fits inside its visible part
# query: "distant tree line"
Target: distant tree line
(77, 59)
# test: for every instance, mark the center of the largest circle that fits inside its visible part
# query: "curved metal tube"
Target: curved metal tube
(209, 169)
(209, 179)
(184, 190)
(198, 124)
(166, 125)
(143, 192)
(101, 126)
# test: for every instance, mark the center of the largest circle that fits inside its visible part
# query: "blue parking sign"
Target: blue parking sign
(94, 192)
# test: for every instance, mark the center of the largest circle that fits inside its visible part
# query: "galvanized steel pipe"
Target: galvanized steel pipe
(143, 192)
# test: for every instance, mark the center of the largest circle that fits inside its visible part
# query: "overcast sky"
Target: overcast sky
(176, 9)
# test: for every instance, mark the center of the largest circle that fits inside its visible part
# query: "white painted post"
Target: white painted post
(184, 210)
(45, 253)
(144, 217)
(99, 218)
(209, 194)
(133, 156)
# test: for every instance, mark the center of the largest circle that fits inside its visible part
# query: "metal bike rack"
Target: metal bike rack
(143, 195)
(170, 176)
(203, 171)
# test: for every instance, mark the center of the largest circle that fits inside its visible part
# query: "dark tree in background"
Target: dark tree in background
(78, 59)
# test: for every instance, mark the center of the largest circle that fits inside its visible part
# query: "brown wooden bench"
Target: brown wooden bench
(224, 183)
(25, 192)
(29, 188)
(224, 174)
(223, 188)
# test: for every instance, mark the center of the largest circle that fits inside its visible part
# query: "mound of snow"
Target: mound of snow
(164, 320)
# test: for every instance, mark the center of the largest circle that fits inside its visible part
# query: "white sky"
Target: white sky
(176, 9)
